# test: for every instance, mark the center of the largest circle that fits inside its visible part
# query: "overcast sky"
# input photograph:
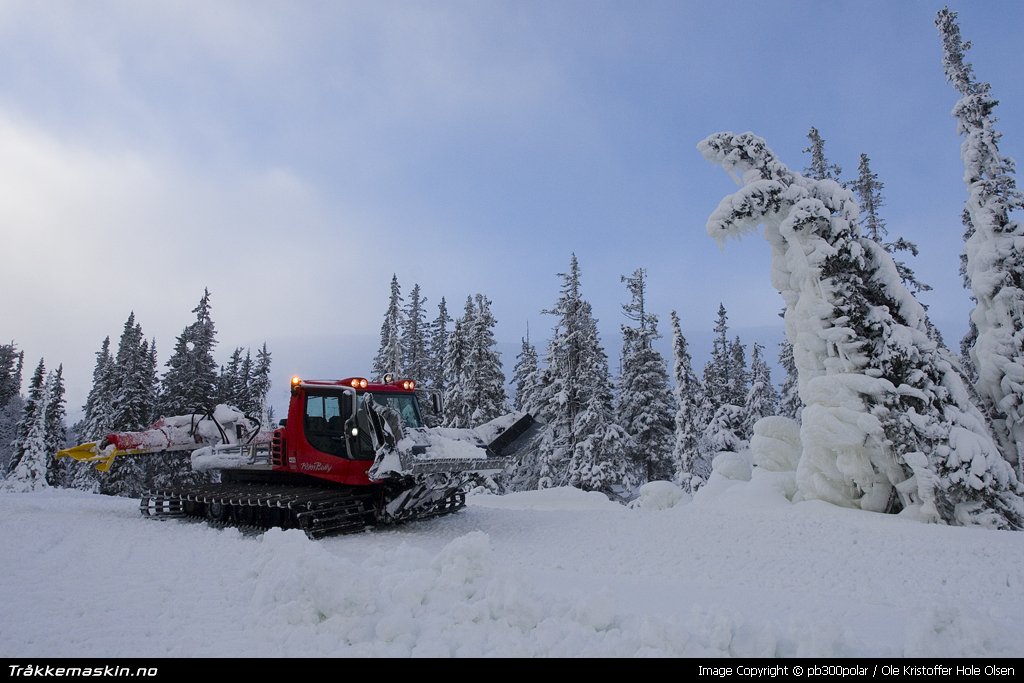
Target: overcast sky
(291, 156)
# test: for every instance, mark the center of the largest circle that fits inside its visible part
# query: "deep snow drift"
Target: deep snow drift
(738, 571)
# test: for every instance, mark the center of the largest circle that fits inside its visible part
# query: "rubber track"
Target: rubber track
(318, 511)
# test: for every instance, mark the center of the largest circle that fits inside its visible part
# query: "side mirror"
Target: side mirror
(436, 402)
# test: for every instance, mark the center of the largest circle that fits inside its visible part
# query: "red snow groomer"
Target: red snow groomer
(351, 453)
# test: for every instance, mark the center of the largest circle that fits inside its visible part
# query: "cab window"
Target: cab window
(325, 424)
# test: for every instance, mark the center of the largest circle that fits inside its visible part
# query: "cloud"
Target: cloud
(91, 234)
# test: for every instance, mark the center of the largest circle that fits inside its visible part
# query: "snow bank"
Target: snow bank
(559, 498)
(554, 573)
(659, 495)
(775, 445)
(736, 466)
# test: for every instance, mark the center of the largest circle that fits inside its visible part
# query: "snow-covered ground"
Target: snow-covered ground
(741, 572)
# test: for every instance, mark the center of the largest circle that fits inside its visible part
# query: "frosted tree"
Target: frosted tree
(389, 353)
(686, 450)
(475, 381)
(522, 472)
(130, 410)
(484, 379)
(762, 400)
(96, 419)
(717, 382)
(36, 397)
(30, 467)
(95, 422)
(413, 329)
(868, 189)
(993, 250)
(151, 381)
(259, 387)
(233, 382)
(524, 376)
(726, 430)
(245, 399)
(438, 344)
(790, 404)
(888, 422)
(582, 445)
(190, 382)
(434, 379)
(56, 431)
(820, 167)
(11, 364)
(457, 411)
(645, 407)
(739, 376)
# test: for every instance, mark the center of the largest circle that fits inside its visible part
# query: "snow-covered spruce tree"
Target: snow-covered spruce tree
(190, 382)
(716, 372)
(790, 404)
(36, 397)
(30, 468)
(130, 410)
(719, 385)
(645, 407)
(888, 422)
(56, 432)
(434, 379)
(413, 330)
(95, 422)
(244, 398)
(438, 344)
(868, 189)
(994, 247)
(389, 353)
(96, 418)
(762, 399)
(725, 431)
(524, 375)
(152, 381)
(457, 410)
(233, 382)
(582, 445)
(484, 379)
(739, 376)
(11, 364)
(259, 388)
(525, 474)
(522, 472)
(687, 391)
(820, 168)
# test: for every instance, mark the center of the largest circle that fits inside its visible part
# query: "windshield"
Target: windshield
(403, 404)
(327, 412)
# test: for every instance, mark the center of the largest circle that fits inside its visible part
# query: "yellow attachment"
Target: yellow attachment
(101, 458)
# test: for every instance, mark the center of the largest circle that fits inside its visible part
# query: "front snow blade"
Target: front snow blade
(518, 437)
(418, 467)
